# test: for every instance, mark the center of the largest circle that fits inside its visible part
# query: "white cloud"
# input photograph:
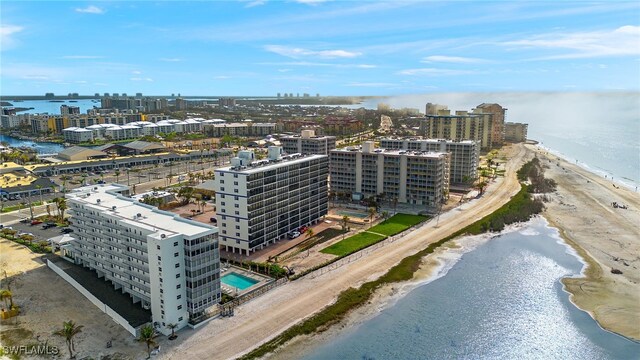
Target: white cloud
(91, 9)
(82, 57)
(255, 3)
(140, 79)
(297, 53)
(452, 59)
(171, 59)
(6, 35)
(222, 77)
(320, 64)
(136, 72)
(623, 41)
(435, 72)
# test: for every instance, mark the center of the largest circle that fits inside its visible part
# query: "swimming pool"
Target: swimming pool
(238, 281)
(354, 214)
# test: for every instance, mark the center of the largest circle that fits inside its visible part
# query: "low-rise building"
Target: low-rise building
(165, 263)
(75, 135)
(259, 201)
(515, 132)
(405, 176)
(308, 143)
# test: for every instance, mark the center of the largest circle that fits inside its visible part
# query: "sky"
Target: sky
(264, 47)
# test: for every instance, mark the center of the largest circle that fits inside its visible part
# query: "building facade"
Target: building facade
(497, 121)
(461, 126)
(164, 262)
(465, 154)
(259, 202)
(308, 143)
(405, 176)
(515, 132)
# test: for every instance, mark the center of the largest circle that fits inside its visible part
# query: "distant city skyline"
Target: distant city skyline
(313, 46)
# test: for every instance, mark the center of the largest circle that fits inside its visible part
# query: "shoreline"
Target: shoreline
(630, 184)
(591, 272)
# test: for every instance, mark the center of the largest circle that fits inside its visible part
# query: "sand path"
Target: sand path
(262, 319)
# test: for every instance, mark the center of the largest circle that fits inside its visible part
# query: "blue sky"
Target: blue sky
(326, 47)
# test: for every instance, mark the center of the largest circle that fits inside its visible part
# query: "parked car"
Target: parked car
(25, 220)
(67, 230)
(293, 234)
(303, 229)
(213, 220)
(36, 222)
(48, 226)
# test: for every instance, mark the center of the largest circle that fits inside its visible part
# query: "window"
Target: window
(235, 198)
(179, 307)
(221, 189)
(177, 276)
(236, 205)
(175, 243)
(235, 183)
(235, 176)
(235, 190)
(238, 227)
(159, 269)
(178, 286)
(237, 234)
(180, 318)
(179, 297)
(175, 254)
(159, 258)
(160, 279)
(221, 181)
(177, 266)
(222, 203)
(158, 247)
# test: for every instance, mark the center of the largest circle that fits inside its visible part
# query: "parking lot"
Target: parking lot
(38, 232)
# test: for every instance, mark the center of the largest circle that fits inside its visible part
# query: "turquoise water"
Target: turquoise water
(52, 108)
(503, 300)
(358, 215)
(40, 147)
(238, 281)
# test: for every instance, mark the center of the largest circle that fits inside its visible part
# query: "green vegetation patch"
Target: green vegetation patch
(397, 224)
(353, 244)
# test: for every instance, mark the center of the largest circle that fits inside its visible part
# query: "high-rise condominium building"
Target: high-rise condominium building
(413, 177)
(164, 262)
(497, 121)
(465, 154)
(461, 126)
(308, 143)
(259, 201)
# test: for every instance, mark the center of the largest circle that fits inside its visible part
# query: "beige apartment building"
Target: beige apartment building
(461, 126)
(411, 177)
(515, 132)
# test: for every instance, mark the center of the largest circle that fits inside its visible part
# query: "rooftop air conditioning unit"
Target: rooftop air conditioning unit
(139, 215)
(162, 236)
(113, 208)
(98, 201)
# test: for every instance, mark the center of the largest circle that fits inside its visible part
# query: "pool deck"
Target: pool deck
(235, 292)
(336, 214)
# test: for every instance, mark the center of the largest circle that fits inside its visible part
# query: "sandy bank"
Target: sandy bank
(606, 237)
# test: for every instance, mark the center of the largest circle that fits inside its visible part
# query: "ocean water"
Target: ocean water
(503, 300)
(52, 108)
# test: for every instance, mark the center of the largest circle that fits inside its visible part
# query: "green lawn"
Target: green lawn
(397, 223)
(353, 244)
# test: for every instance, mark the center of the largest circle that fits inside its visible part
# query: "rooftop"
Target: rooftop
(354, 149)
(266, 164)
(105, 198)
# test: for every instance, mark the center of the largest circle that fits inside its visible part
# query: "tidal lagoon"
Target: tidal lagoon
(503, 300)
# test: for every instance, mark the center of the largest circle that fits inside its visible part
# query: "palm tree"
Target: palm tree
(344, 222)
(68, 331)
(173, 331)
(7, 295)
(28, 238)
(116, 173)
(372, 213)
(385, 215)
(309, 233)
(61, 203)
(147, 336)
